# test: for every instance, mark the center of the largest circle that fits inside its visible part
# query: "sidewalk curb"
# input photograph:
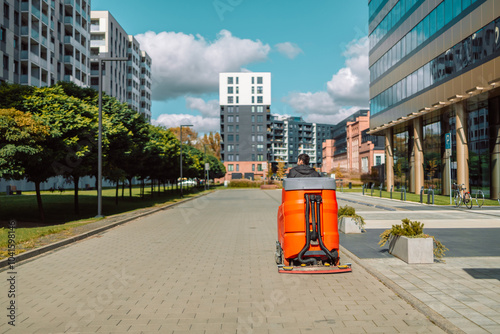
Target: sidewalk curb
(47, 248)
(432, 315)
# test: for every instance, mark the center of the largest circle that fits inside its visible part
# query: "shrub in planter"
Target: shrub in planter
(412, 229)
(349, 212)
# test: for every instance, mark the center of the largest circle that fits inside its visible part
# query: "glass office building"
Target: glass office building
(435, 70)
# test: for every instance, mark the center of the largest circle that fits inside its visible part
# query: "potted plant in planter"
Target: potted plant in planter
(408, 242)
(349, 221)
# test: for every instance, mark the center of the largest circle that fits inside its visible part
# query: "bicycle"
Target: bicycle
(479, 197)
(462, 196)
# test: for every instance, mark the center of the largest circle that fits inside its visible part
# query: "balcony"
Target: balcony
(69, 60)
(35, 11)
(68, 20)
(24, 55)
(25, 31)
(25, 6)
(35, 34)
(69, 2)
(24, 79)
(45, 19)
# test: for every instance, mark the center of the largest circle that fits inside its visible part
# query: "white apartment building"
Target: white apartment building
(121, 79)
(146, 83)
(42, 42)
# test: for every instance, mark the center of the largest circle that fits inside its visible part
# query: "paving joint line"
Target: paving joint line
(432, 315)
(58, 244)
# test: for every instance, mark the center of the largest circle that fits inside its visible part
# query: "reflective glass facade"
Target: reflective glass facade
(401, 153)
(474, 50)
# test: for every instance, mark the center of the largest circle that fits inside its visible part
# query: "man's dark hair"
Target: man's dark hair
(304, 157)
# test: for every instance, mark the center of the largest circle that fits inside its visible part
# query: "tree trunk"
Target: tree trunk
(117, 188)
(123, 189)
(76, 180)
(39, 201)
(130, 187)
(152, 187)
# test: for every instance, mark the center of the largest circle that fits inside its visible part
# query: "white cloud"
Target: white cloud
(187, 64)
(290, 50)
(346, 92)
(200, 124)
(350, 85)
(207, 109)
(303, 103)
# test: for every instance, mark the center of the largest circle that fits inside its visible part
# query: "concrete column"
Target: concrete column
(495, 165)
(389, 158)
(417, 170)
(462, 148)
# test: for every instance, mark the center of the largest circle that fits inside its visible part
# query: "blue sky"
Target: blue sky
(316, 51)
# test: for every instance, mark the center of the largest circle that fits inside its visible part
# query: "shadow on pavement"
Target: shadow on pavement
(483, 273)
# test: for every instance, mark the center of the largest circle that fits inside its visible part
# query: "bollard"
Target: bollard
(421, 194)
(392, 187)
(373, 186)
(363, 189)
(429, 196)
(403, 193)
(381, 186)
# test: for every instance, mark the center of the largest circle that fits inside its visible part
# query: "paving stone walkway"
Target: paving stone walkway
(205, 266)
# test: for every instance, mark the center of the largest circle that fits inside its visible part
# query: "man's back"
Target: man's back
(303, 171)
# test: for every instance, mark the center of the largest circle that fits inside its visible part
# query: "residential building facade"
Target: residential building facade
(245, 118)
(291, 136)
(435, 72)
(42, 42)
(128, 81)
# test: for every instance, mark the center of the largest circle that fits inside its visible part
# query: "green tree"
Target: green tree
(21, 138)
(72, 124)
(13, 95)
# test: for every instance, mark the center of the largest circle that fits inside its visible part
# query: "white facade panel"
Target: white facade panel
(245, 88)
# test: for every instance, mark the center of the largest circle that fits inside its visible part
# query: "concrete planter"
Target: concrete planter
(412, 250)
(349, 225)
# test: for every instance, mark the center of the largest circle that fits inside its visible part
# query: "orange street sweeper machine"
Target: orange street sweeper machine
(308, 237)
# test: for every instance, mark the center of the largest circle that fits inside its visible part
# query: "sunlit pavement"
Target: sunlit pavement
(465, 289)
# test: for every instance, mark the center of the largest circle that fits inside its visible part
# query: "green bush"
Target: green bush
(244, 183)
(349, 211)
(412, 229)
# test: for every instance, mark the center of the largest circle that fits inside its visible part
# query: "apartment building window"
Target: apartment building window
(259, 99)
(237, 128)
(253, 128)
(237, 88)
(230, 148)
(6, 11)
(253, 118)
(260, 148)
(259, 89)
(230, 90)
(253, 90)
(260, 138)
(230, 167)
(16, 67)
(3, 36)
(253, 99)
(230, 118)
(259, 166)
(378, 160)
(230, 157)
(253, 80)
(259, 80)
(237, 138)
(229, 80)
(260, 128)
(5, 62)
(237, 157)
(237, 166)
(237, 81)
(253, 108)
(260, 157)
(237, 99)
(230, 128)
(260, 118)
(253, 167)
(237, 118)
(230, 137)
(253, 159)
(230, 99)
(260, 109)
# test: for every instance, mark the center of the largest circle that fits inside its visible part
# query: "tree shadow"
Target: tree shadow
(483, 273)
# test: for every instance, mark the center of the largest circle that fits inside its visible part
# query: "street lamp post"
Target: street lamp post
(99, 140)
(186, 125)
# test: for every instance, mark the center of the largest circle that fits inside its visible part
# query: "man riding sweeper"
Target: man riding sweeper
(308, 238)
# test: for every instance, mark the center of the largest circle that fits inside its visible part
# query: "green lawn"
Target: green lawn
(59, 207)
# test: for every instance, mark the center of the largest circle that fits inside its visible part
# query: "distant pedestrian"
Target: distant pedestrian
(303, 169)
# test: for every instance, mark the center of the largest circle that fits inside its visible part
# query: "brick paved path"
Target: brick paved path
(206, 266)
